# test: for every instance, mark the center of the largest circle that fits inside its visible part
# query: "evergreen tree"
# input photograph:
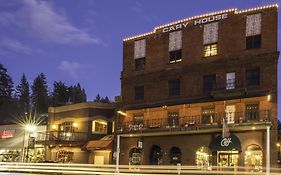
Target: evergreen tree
(101, 99)
(61, 94)
(40, 94)
(98, 98)
(23, 94)
(6, 90)
(77, 95)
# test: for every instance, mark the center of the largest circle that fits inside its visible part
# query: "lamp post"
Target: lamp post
(278, 146)
(30, 128)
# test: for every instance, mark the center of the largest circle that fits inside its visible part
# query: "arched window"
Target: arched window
(253, 158)
(203, 157)
(135, 156)
(175, 155)
(155, 157)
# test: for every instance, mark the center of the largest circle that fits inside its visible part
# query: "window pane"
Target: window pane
(252, 77)
(174, 87)
(173, 118)
(230, 80)
(210, 33)
(209, 82)
(139, 63)
(210, 50)
(139, 49)
(208, 115)
(253, 25)
(252, 112)
(139, 93)
(253, 42)
(175, 56)
(175, 40)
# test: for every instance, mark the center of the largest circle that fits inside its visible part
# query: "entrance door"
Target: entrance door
(99, 160)
(226, 159)
(230, 113)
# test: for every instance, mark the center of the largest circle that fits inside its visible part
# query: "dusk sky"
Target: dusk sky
(81, 40)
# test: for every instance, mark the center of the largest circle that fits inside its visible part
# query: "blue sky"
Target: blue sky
(81, 40)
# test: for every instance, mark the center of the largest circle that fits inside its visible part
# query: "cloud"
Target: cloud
(10, 45)
(40, 20)
(71, 68)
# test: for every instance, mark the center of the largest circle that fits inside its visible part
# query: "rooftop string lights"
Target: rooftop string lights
(201, 16)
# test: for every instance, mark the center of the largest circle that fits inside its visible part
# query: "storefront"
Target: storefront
(227, 150)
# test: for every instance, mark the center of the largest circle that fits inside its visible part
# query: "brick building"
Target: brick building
(183, 80)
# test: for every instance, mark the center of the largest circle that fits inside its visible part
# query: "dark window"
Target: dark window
(155, 157)
(175, 56)
(138, 119)
(210, 50)
(253, 42)
(174, 87)
(252, 112)
(175, 155)
(252, 77)
(208, 115)
(209, 82)
(173, 118)
(139, 63)
(139, 93)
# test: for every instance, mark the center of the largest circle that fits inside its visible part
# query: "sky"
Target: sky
(81, 40)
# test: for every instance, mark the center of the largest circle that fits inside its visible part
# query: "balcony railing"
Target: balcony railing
(61, 136)
(196, 122)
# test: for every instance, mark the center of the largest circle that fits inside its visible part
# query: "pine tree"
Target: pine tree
(23, 94)
(98, 98)
(77, 95)
(6, 90)
(40, 94)
(61, 94)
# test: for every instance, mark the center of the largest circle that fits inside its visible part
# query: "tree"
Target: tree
(40, 94)
(23, 94)
(77, 95)
(61, 94)
(101, 99)
(6, 90)
(97, 99)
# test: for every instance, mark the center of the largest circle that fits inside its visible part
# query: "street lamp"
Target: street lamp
(278, 145)
(30, 128)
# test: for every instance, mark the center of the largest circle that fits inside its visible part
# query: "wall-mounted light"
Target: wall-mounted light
(278, 144)
(54, 126)
(121, 113)
(75, 124)
(268, 97)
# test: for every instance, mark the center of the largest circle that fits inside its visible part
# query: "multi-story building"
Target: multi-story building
(79, 133)
(183, 79)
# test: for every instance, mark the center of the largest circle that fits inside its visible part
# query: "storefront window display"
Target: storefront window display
(10, 155)
(65, 156)
(253, 158)
(228, 158)
(203, 157)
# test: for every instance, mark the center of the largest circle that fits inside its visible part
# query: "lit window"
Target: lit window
(99, 127)
(210, 50)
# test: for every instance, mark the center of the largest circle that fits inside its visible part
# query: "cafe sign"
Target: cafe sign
(196, 22)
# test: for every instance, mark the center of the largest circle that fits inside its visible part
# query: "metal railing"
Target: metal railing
(213, 120)
(55, 168)
(61, 136)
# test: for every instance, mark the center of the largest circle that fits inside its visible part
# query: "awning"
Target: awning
(98, 145)
(231, 143)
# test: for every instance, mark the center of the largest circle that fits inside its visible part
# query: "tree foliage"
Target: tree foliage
(23, 94)
(100, 99)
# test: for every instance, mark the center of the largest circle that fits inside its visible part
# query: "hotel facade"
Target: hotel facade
(184, 80)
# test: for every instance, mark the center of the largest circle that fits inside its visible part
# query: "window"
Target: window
(252, 77)
(135, 156)
(99, 126)
(173, 119)
(210, 33)
(210, 50)
(230, 113)
(253, 42)
(139, 54)
(253, 158)
(175, 45)
(203, 157)
(252, 112)
(156, 155)
(64, 156)
(175, 56)
(230, 80)
(210, 39)
(174, 87)
(175, 155)
(209, 82)
(138, 119)
(139, 93)
(253, 31)
(208, 115)
(139, 63)
(67, 127)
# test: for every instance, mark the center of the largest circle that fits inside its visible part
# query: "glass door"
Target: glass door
(230, 113)
(228, 159)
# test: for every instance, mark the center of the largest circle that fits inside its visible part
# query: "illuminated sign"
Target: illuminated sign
(225, 142)
(5, 134)
(196, 22)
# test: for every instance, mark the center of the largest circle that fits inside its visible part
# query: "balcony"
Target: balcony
(199, 122)
(61, 136)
